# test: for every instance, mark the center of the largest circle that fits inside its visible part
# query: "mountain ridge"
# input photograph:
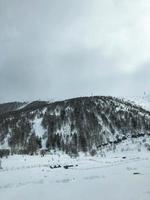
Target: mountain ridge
(73, 125)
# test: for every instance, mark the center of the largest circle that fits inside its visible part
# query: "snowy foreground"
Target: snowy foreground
(118, 176)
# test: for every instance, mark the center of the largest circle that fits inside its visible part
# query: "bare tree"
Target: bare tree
(1, 164)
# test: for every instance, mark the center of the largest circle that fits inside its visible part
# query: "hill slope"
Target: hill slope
(80, 124)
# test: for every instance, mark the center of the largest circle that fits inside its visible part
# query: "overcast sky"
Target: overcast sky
(66, 48)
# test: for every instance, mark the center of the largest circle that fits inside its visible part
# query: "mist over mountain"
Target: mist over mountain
(143, 100)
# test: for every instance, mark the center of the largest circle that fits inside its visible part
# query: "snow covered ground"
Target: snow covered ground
(117, 176)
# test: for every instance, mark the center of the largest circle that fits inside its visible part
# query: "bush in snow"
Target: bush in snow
(4, 153)
(93, 152)
(147, 146)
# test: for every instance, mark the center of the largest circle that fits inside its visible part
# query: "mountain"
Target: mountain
(12, 106)
(143, 100)
(76, 125)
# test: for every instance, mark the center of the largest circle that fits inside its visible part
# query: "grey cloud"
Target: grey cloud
(53, 50)
(141, 79)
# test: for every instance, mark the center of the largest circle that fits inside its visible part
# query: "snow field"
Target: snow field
(118, 176)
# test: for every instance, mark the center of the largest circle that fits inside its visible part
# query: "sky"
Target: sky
(64, 48)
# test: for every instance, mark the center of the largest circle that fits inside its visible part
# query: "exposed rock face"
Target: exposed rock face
(74, 125)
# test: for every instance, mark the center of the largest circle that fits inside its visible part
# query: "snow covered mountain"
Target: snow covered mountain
(83, 124)
(143, 101)
(7, 107)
